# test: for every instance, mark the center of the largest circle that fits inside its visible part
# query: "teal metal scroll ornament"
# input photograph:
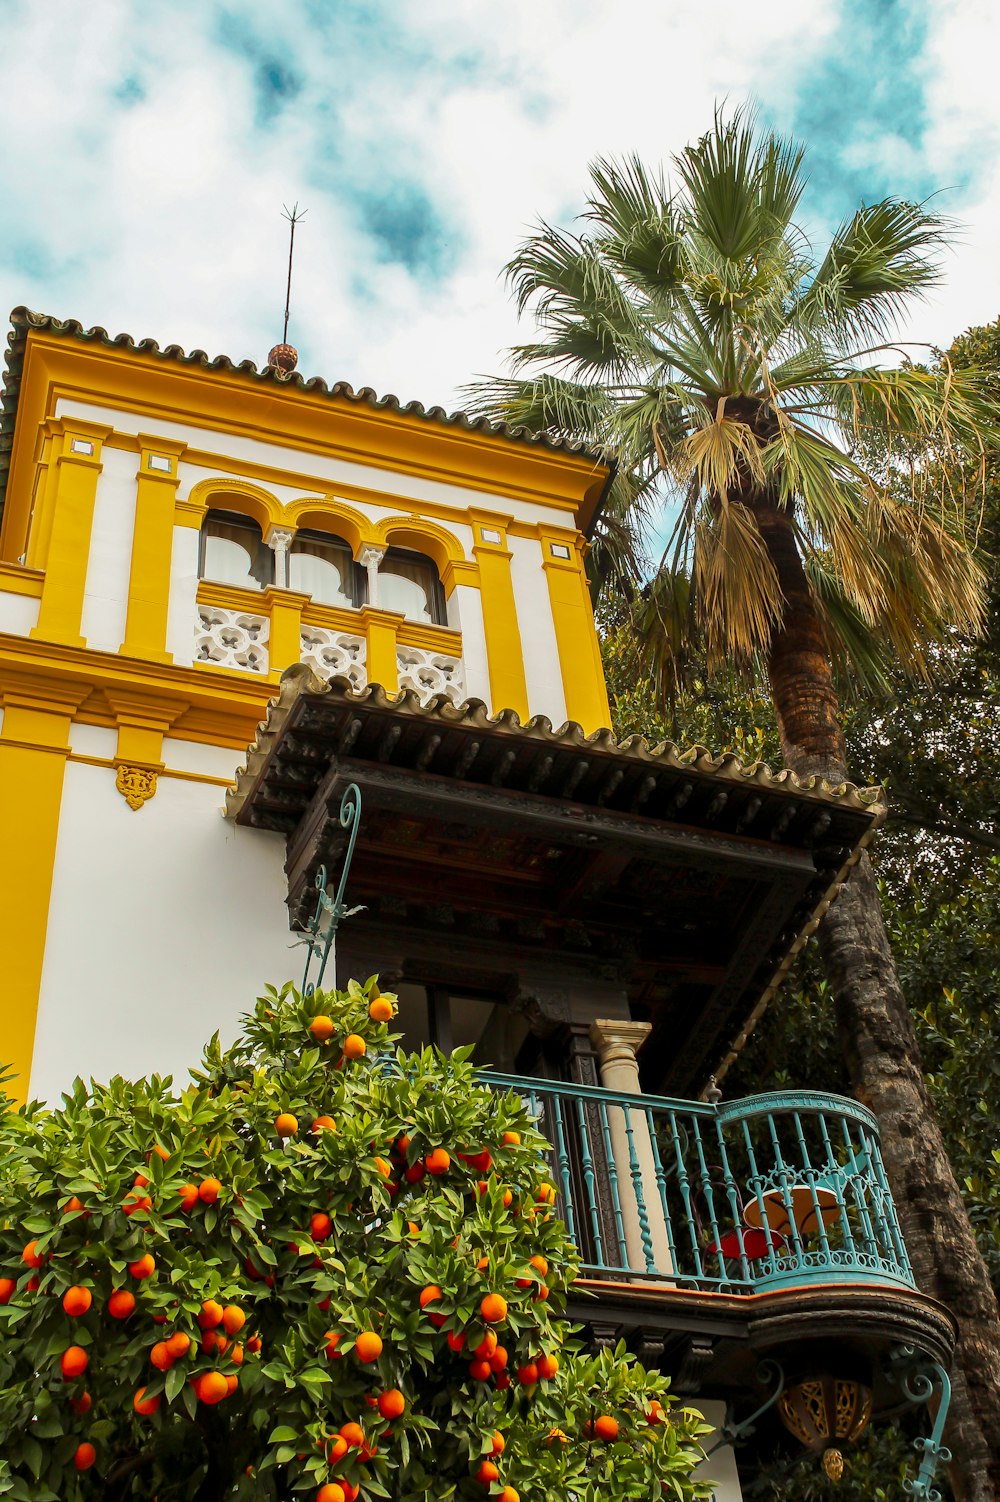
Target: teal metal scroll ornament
(921, 1380)
(321, 929)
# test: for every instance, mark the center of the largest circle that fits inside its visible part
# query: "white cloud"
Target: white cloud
(162, 216)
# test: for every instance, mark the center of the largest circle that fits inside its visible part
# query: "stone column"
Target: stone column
(644, 1225)
(279, 540)
(370, 557)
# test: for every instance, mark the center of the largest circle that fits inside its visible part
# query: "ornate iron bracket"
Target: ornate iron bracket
(920, 1378)
(731, 1434)
(321, 928)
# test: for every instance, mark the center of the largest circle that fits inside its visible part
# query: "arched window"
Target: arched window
(409, 582)
(233, 551)
(322, 566)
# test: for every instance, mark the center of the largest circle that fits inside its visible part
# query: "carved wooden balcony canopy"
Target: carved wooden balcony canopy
(491, 850)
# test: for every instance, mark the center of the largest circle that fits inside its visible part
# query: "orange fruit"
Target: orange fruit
(493, 1308)
(487, 1346)
(324, 1123)
(499, 1443)
(331, 1492)
(7, 1287)
(337, 1447)
(547, 1367)
(412, 1228)
(72, 1204)
(429, 1294)
(208, 1191)
(456, 1339)
(121, 1303)
(527, 1374)
(232, 1383)
(161, 1152)
(509, 1494)
(77, 1300)
(656, 1414)
(160, 1356)
(321, 1028)
(254, 1344)
(211, 1388)
(352, 1434)
(286, 1125)
(212, 1314)
(146, 1406)
(368, 1346)
(540, 1265)
(384, 1168)
(333, 1339)
(606, 1427)
(73, 1362)
(487, 1473)
(83, 1404)
(145, 1267)
(546, 1194)
(189, 1196)
(437, 1162)
(556, 1436)
(391, 1403)
(85, 1456)
(178, 1345)
(355, 1046)
(542, 1294)
(511, 1139)
(499, 1359)
(140, 1182)
(381, 1010)
(233, 1319)
(30, 1256)
(480, 1371)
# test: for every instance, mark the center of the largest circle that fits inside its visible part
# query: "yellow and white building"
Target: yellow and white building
(176, 532)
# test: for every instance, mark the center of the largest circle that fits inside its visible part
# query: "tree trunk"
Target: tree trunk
(880, 1046)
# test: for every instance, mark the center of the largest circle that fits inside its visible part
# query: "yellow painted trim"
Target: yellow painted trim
(381, 628)
(61, 609)
(43, 496)
(284, 643)
(576, 635)
(152, 545)
(504, 649)
(188, 515)
(232, 596)
(236, 495)
(423, 537)
(332, 617)
(112, 766)
(16, 579)
(330, 514)
(34, 747)
(460, 573)
(291, 416)
(432, 638)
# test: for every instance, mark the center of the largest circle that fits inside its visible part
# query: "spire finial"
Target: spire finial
(284, 356)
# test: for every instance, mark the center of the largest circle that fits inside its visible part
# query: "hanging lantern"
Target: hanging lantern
(822, 1411)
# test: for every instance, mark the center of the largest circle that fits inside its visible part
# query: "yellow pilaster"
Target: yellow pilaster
(77, 467)
(285, 607)
(34, 745)
(152, 544)
(576, 635)
(381, 628)
(43, 497)
(504, 651)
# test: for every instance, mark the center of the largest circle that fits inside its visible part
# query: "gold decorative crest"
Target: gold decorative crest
(136, 785)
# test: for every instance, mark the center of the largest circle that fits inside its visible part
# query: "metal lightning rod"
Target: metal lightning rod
(293, 216)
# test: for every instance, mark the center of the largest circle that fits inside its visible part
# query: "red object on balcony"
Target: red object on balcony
(754, 1243)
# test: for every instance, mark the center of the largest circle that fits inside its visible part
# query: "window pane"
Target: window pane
(408, 586)
(233, 552)
(412, 1019)
(322, 569)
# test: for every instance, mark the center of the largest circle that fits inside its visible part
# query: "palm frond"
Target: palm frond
(737, 594)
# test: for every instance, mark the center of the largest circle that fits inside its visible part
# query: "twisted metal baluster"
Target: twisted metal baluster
(590, 1183)
(613, 1180)
(635, 1172)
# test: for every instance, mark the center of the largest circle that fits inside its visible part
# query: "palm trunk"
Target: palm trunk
(880, 1046)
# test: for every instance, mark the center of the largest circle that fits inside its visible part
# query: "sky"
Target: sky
(149, 149)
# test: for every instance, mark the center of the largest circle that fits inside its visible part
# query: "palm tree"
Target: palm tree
(689, 331)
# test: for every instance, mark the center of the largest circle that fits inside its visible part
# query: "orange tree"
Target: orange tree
(323, 1269)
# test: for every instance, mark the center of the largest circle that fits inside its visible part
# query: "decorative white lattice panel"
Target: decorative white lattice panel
(232, 638)
(335, 653)
(430, 673)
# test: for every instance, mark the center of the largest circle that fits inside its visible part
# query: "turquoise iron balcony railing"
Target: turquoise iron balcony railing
(767, 1192)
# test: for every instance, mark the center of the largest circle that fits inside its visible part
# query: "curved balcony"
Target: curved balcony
(772, 1191)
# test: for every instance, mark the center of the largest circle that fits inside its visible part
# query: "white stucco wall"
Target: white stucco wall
(106, 595)
(182, 610)
(465, 614)
(18, 613)
(720, 1467)
(538, 637)
(163, 926)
